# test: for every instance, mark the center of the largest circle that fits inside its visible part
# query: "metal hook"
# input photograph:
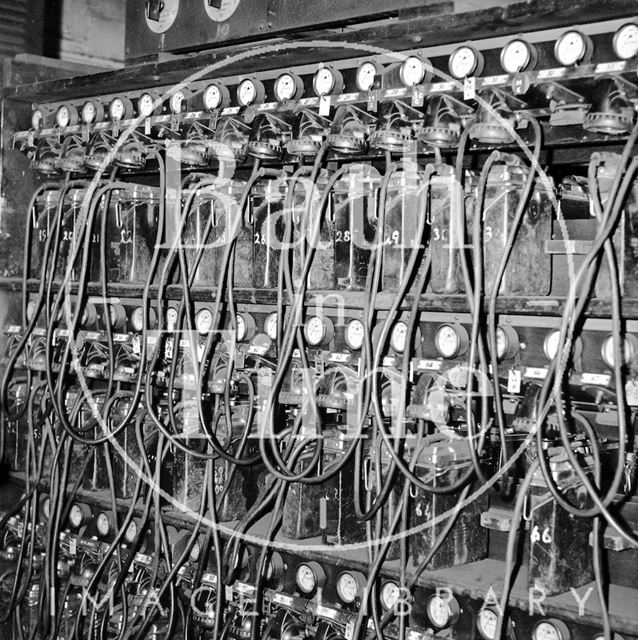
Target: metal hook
(527, 510)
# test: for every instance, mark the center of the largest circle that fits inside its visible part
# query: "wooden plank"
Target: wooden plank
(26, 68)
(22, 26)
(472, 580)
(287, 15)
(545, 306)
(18, 184)
(398, 34)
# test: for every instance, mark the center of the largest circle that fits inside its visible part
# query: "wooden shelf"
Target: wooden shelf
(534, 306)
(473, 580)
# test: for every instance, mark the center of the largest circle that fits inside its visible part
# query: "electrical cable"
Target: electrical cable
(125, 524)
(500, 272)
(168, 580)
(375, 395)
(57, 390)
(510, 554)
(458, 222)
(218, 448)
(613, 206)
(284, 357)
(10, 365)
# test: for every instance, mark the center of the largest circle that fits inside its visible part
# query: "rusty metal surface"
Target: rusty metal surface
(17, 184)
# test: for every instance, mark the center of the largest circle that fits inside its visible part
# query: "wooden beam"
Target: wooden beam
(407, 31)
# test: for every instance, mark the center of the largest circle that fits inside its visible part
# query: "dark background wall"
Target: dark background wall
(82, 31)
(21, 26)
(85, 31)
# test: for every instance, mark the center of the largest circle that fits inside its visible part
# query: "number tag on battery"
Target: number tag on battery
(538, 373)
(514, 381)
(279, 598)
(599, 379)
(326, 612)
(558, 72)
(246, 589)
(610, 67)
(429, 365)
(324, 106)
(469, 88)
(372, 101)
(257, 350)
